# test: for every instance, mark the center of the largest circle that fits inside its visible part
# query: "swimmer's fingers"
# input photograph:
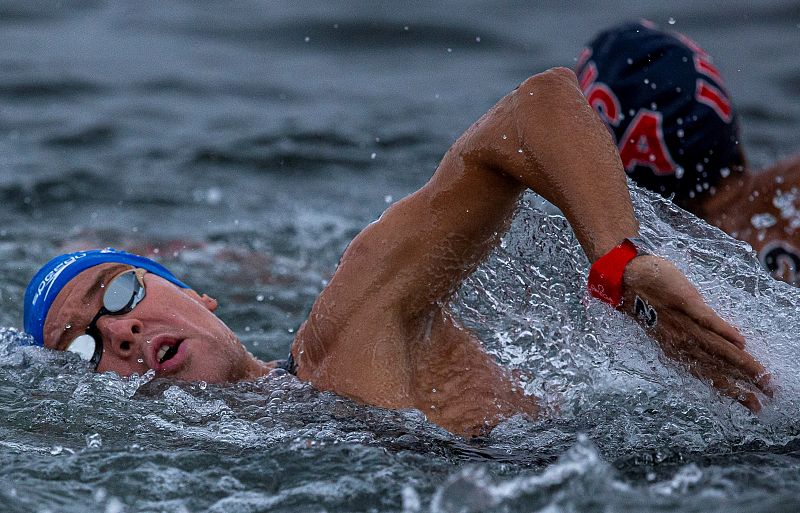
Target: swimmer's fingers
(712, 358)
(721, 339)
(709, 367)
(735, 391)
(706, 367)
(738, 360)
(706, 317)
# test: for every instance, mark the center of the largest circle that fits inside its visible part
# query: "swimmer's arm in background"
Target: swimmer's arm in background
(402, 269)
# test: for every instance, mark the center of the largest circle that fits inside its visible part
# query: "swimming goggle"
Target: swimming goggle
(122, 295)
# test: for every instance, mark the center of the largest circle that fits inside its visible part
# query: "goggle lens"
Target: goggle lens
(84, 346)
(123, 293)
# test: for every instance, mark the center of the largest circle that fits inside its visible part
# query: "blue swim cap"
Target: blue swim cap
(55, 274)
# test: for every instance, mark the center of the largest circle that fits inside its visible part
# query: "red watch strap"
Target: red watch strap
(605, 276)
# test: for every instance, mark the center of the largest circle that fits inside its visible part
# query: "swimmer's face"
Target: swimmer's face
(168, 315)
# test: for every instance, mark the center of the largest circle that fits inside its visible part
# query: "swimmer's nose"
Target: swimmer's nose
(120, 335)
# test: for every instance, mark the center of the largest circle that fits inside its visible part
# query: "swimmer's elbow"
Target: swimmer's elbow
(549, 79)
(542, 86)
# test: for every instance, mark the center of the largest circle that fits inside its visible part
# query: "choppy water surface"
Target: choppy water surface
(244, 144)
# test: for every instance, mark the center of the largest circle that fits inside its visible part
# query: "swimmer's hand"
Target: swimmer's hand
(660, 297)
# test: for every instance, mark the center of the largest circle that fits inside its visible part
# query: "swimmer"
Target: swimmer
(670, 114)
(381, 332)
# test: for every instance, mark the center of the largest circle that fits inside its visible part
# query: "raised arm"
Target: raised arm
(542, 136)
(378, 312)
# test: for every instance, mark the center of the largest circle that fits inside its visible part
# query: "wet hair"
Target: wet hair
(666, 105)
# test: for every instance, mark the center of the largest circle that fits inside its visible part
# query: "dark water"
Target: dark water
(244, 144)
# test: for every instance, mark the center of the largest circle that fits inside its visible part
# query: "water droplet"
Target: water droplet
(405, 28)
(140, 360)
(680, 132)
(100, 495)
(373, 155)
(56, 450)
(630, 61)
(94, 441)
(388, 198)
(203, 385)
(307, 39)
(114, 505)
(671, 20)
(763, 221)
(519, 150)
(646, 80)
(449, 50)
(260, 298)
(505, 137)
(213, 196)
(68, 326)
(478, 39)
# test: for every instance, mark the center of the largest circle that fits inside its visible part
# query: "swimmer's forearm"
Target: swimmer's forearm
(565, 153)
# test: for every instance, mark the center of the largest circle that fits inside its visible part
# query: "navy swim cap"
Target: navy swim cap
(666, 106)
(55, 274)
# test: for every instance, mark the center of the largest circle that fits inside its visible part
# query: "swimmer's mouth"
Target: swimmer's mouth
(166, 352)
(165, 349)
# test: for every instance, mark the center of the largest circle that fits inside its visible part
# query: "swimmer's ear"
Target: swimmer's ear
(209, 302)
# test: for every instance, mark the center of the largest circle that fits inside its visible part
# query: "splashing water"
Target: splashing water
(214, 137)
(531, 309)
(147, 443)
